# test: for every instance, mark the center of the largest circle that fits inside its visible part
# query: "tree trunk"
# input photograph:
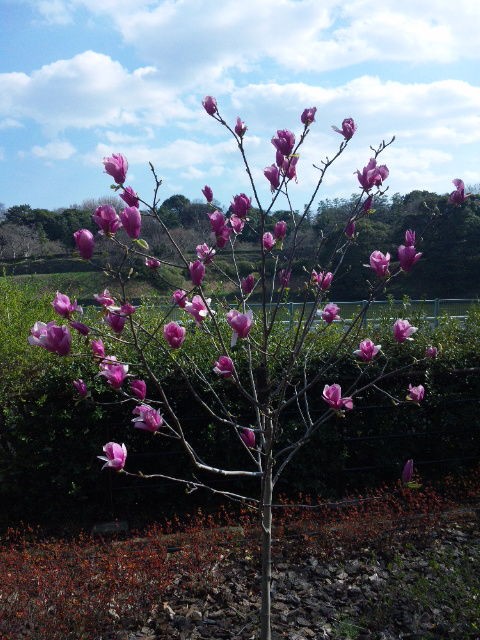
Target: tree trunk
(266, 577)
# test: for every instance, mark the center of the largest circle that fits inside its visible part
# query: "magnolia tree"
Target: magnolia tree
(268, 384)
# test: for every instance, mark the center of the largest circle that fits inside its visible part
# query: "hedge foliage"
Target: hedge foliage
(49, 440)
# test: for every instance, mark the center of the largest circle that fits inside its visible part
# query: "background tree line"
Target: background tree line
(448, 238)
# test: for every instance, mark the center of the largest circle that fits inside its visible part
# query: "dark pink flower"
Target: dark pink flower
(280, 230)
(348, 128)
(180, 297)
(105, 299)
(107, 219)
(289, 167)
(367, 350)
(236, 223)
(268, 241)
(152, 263)
(224, 367)
(284, 141)
(138, 388)
(248, 284)
(415, 394)
(98, 348)
(115, 456)
(322, 280)
(130, 197)
(240, 205)
(222, 237)
(332, 394)
(198, 309)
(372, 176)
(308, 116)
(350, 229)
(217, 222)
(284, 276)
(380, 263)
(241, 324)
(205, 253)
(408, 257)
(407, 473)
(330, 313)
(85, 243)
(402, 330)
(409, 238)
(208, 193)
(174, 334)
(81, 388)
(115, 321)
(51, 337)
(117, 167)
(197, 272)
(458, 196)
(210, 105)
(64, 307)
(149, 419)
(431, 352)
(81, 327)
(240, 128)
(248, 437)
(114, 372)
(132, 222)
(272, 173)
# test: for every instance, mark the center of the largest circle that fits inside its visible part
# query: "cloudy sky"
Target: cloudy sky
(84, 78)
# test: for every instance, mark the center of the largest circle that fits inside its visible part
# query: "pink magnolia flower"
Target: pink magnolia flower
(332, 394)
(81, 387)
(127, 309)
(280, 230)
(407, 473)
(248, 284)
(114, 372)
(272, 174)
(82, 328)
(402, 330)
(431, 352)
(308, 116)
(408, 257)
(148, 418)
(289, 167)
(104, 298)
(380, 263)
(240, 205)
(198, 309)
(197, 272)
(217, 222)
(241, 324)
(84, 242)
(224, 367)
(367, 350)
(208, 193)
(179, 297)
(268, 241)
(415, 394)
(98, 348)
(152, 263)
(284, 142)
(115, 321)
(458, 196)
(372, 176)
(210, 105)
(409, 238)
(348, 128)
(240, 128)
(350, 229)
(284, 276)
(222, 237)
(132, 222)
(117, 167)
(51, 337)
(115, 456)
(323, 280)
(130, 197)
(138, 388)
(237, 223)
(330, 313)
(174, 334)
(367, 205)
(248, 437)
(205, 253)
(64, 307)
(107, 219)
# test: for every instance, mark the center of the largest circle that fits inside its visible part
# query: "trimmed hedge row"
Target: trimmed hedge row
(49, 472)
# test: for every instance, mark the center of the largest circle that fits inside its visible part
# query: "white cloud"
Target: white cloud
(56, 150)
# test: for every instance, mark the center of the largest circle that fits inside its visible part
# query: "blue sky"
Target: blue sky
(83, 79)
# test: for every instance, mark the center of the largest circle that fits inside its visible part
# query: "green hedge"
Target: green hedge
(49, 472)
